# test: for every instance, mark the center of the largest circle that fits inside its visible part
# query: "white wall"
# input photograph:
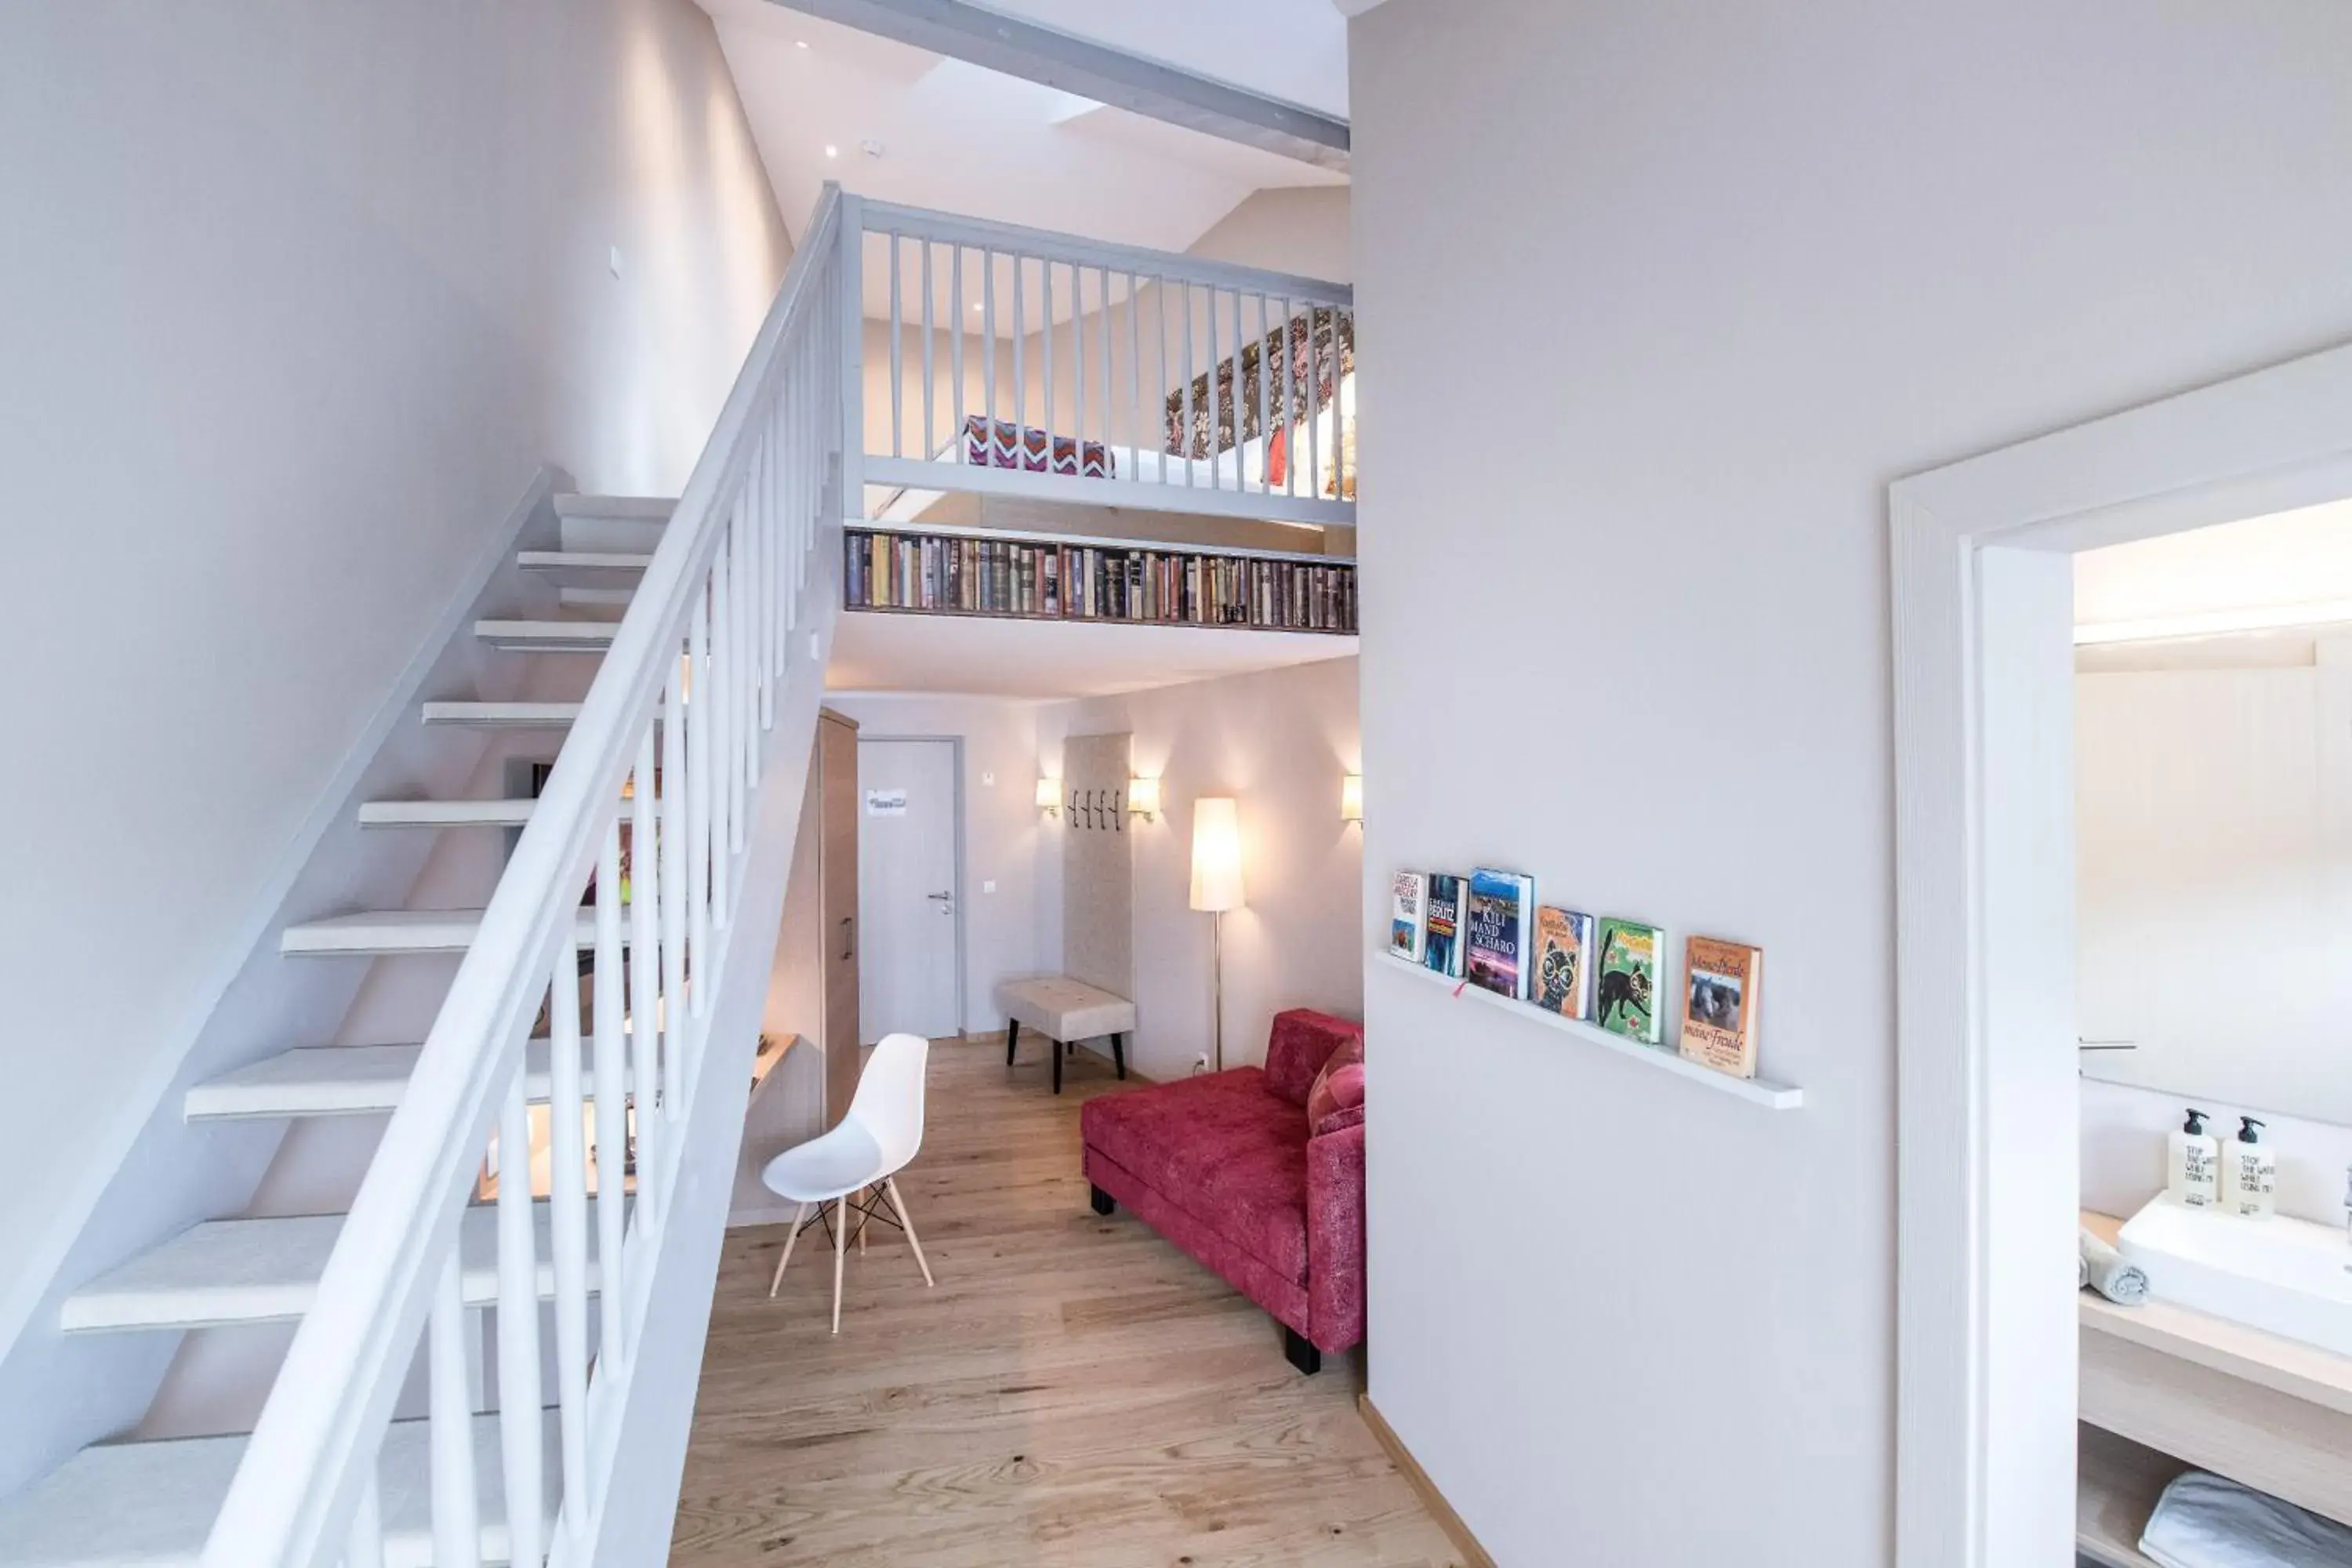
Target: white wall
(301, 298)
(1729, 271)
(1278, 742)
(2123, 1132)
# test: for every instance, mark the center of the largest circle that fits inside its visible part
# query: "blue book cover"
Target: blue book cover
(1496, 928)
(1441, 947)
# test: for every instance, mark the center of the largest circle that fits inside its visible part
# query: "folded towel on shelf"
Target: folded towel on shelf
(2204, 1521)
(2105, 1271)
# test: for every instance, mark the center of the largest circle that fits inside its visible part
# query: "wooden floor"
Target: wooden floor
(1075, 1393)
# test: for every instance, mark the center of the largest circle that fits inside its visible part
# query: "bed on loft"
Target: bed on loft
(1009, 363)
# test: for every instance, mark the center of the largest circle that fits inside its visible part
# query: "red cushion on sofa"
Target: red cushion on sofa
(1340, 1087)
(1224, 1149)
(1302, 1041)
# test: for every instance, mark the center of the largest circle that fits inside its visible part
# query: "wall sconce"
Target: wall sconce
(1143, 798)
(1049, 797)
(1351, 799)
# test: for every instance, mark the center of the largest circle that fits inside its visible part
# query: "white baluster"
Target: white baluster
(519, 1433)
(645, 986)
(719, 668)
(568, 1219)
(987, 344)
(1314, 391)
(1020, 339)
(612, 1103)
(897, 369)
(1136, 437)
(456, 1515)
(1188, 387)
(962, 318)
(679, 891)
(1046, 349)
(699, 703)
(929, 429)
(1264, 403)
(1078, 363)
(363, 1543)
(740, 699)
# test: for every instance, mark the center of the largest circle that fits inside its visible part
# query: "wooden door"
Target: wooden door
(841, 935)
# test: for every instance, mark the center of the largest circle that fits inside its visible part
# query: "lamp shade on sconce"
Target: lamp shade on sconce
(1049, 797)
(1216, 854)
(1351, 798)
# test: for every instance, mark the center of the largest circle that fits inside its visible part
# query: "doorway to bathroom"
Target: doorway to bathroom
(1989, 1102)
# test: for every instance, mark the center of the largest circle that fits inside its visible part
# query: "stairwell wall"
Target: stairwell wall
(300, 297)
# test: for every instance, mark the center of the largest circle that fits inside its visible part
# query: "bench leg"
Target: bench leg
(1300, 1351)
(1058, 1053)
(1119, 1053)
(1012, 1032)
(1104, 1202)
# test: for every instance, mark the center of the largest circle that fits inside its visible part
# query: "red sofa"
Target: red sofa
(1257, 1173)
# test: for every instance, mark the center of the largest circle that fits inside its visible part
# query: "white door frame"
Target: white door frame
(1987, 1130)
(962, 907)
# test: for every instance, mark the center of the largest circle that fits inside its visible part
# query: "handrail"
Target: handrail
(675, 710)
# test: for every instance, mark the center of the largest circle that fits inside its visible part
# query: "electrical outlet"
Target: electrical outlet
(612, 260)
(988, 886)
(1201, 1063)
(988, 781)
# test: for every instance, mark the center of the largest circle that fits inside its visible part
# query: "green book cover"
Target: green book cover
(1625, 998)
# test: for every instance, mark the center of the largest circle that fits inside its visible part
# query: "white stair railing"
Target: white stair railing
(675, 717)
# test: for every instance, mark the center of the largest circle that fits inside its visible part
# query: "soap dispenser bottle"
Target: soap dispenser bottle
(2252, 1173)
(2193, 1171)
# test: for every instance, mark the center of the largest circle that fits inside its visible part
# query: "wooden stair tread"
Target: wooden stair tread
(383, 932)
(338, 1080)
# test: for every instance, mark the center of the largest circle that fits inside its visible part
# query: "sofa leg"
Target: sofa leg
(1104, 1202)
(1012, 1032)
(1300, 1351)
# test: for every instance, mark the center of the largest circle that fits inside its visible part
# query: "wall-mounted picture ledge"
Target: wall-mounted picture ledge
(1755, 1092)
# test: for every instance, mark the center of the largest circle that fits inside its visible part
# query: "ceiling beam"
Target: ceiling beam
(984, 37)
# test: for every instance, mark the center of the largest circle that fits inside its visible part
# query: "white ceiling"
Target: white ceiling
(986, 658)
(968, 141)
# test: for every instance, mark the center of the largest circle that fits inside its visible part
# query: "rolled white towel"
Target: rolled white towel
(2204, 1521)
(2105, 1271)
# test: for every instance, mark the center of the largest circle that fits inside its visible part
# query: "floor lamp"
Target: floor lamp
(1216, 888)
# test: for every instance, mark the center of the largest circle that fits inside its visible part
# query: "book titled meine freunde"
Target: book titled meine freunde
(1725, 992)
(1442, 942)
(1409, 914)
(1497, 929)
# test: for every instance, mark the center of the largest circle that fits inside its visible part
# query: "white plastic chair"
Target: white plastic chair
(872, 1144)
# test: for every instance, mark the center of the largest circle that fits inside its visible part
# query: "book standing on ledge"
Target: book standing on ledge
(1563, 963)
(1497, 927)
(1409, 914)
(1442, 945)
(1724, 987)
(1625, 991)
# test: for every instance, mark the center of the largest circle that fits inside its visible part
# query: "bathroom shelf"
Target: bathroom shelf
(2116, 1485)
(1755, 1092)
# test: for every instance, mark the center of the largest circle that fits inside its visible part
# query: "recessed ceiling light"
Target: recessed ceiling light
(975, 304)
(831, 151)
(800, 43)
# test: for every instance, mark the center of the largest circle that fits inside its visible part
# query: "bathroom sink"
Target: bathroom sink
(2287, 1275)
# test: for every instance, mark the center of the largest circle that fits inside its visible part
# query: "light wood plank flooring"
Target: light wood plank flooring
(1076, 1393)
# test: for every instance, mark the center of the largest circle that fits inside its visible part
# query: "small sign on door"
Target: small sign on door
(885, 803)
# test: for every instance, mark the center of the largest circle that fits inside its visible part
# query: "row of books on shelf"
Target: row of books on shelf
(954, 575)
(1487, 929)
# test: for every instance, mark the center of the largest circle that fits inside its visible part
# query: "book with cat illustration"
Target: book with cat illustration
(1563, 963)
(1441, 929)
(1408, 914)
(1497, 929)
(1625, 982)
(1722, 994)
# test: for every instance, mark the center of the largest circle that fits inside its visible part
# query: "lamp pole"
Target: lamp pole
(1217, 969)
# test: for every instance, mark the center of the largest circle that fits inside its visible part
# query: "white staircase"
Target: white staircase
(719, 604)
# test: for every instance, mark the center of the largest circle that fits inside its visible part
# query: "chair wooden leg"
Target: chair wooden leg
(840, 1255)
(862, 1221)
(906, 1222)
(800, 1217)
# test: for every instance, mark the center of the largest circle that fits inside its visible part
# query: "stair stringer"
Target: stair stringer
(633, 1524)
(157, 1175)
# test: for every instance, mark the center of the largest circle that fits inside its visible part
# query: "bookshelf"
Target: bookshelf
(911, 570)
(1755, 1090)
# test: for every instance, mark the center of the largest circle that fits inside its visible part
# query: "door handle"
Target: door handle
(946, 897)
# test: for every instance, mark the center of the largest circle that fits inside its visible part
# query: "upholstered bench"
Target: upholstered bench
(1065, 1011)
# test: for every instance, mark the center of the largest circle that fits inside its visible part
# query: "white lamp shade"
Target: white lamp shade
(1351, 798)
(1216, 854)
(1049, 794)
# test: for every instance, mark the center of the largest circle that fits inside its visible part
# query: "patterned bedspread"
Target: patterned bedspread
(1000, 444)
